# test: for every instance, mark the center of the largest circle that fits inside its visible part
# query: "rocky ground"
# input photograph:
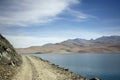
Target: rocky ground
(9, 59)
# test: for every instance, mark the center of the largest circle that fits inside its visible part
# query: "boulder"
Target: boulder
(95, 79)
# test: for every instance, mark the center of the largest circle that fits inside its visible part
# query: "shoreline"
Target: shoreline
(60, 68)
(66, 53)
(40, 69)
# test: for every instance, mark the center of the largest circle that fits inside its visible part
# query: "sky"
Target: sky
(37, 22)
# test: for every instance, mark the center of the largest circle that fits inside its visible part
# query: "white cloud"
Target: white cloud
(27, 41)
(25, 12)
(80, 16)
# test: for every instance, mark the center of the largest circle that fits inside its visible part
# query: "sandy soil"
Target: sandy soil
(34, 68)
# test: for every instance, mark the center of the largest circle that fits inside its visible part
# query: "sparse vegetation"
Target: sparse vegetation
(9, 59)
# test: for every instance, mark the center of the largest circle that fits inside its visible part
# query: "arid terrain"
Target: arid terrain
(17, 67)
(34, 68)
(9, 59)
(105, 44)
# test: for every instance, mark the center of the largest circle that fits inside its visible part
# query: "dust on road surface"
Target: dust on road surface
(34, 68)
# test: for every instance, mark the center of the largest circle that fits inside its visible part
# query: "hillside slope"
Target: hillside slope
(9, 59)
(105, 44)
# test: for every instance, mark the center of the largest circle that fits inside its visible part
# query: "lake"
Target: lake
(105, 66)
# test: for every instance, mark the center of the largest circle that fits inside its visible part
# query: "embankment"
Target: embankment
(34, 68)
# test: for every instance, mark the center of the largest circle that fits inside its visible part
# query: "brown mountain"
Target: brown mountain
(105, 44)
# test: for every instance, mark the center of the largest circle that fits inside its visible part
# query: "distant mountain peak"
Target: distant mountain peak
(77, 40)
(108, 39)
(78, 45)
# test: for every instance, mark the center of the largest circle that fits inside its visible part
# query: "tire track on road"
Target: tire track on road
(35, 74)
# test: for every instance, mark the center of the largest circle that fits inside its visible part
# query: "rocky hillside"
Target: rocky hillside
(105, 44)
(9, 59)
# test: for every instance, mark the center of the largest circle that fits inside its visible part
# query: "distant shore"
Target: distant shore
(73, 53)
(106, 44)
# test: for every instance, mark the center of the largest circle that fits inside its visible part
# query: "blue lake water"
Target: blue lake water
(104, 66)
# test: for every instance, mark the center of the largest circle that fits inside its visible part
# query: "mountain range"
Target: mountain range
(105, 44)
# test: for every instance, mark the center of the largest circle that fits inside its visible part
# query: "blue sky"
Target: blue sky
(36, 22)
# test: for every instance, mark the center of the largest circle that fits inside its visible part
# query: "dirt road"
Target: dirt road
(34, 68)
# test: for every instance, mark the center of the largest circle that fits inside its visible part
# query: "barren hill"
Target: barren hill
(105, 44)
